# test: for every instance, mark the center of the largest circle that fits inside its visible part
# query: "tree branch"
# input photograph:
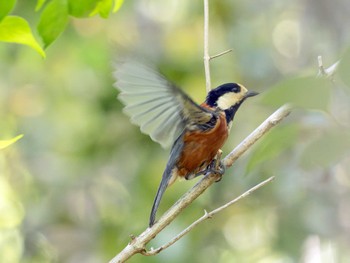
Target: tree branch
(221, 54)
(206, 46)
(264, 127)
(207, 57)
(207, 216)
(326, 72)
(138, 244)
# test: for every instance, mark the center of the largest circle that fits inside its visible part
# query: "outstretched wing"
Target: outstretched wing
(160, 108)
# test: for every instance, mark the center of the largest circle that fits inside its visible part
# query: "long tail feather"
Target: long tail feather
(169, 176)
(167, 179)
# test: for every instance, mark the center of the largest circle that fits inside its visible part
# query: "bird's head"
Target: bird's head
(228, 98)
(228, 95)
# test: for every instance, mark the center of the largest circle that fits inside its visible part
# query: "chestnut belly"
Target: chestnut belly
(200, 148)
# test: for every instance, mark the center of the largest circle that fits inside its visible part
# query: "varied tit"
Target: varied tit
(168, 115)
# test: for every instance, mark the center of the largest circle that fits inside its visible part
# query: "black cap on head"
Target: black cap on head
(216, 93)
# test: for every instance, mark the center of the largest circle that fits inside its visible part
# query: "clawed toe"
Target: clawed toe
(218, 168)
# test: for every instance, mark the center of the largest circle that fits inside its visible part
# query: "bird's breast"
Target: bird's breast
(201, 147)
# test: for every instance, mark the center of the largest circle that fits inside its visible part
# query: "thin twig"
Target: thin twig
(206, 56)
(327, 72)
(206, 46)
(207, 216)
(221, 54)
(322, 71)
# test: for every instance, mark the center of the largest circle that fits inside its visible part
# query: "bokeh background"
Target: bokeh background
(83, 178)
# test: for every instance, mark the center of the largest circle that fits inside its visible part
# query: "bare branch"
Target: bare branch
(137, 245)
(206, 46)
(207, 216)
(207, 57)
(322, 71)
(326, 72)
(221, 54)
(264, 127)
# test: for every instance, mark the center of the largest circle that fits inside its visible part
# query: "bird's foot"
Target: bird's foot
(217, 167)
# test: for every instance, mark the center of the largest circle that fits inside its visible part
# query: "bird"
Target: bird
(170, 116)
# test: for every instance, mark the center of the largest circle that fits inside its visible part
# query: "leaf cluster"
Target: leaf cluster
(54, 18)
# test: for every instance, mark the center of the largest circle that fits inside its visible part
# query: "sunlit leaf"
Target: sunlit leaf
(81, 8)
(15, 29)
(103, 8)
(326, 150)
(304, 92)
(273, 144)
(39, 4)
(53, 21)
(5, 7)
(5, 143)
(117, 5)
(344, 68)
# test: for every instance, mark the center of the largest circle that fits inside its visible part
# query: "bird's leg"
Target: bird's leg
(216, 166)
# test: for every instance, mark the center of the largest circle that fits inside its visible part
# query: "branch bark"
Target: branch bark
(138, 244)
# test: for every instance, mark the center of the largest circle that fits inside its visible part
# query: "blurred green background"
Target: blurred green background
(83, 178)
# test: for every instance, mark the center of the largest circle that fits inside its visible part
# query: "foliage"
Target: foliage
(6, 143)
(53, 19)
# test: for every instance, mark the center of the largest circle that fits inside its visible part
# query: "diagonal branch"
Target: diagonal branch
(221, 54)
(264, 127)
(207, 216)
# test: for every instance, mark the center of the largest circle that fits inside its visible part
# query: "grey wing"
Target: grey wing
(160, 108)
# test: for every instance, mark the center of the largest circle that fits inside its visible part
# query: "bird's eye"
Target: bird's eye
(236, 89)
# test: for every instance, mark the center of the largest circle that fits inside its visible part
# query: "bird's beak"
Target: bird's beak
(250, 94)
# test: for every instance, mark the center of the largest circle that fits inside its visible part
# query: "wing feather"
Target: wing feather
(160, 108)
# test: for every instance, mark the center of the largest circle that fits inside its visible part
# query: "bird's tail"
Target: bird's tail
(167, 179)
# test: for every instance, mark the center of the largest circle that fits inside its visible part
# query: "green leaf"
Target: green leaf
(6, 143)
(326, 150)
(5, 7)
(103, 8)
(344, 67)
(15, 29)
(117, 5)
(81, 8)
(53, 21)
(273, 144)
(304, 92)
(39, 4)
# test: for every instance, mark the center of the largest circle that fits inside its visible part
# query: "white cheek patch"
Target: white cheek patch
(229, 99)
